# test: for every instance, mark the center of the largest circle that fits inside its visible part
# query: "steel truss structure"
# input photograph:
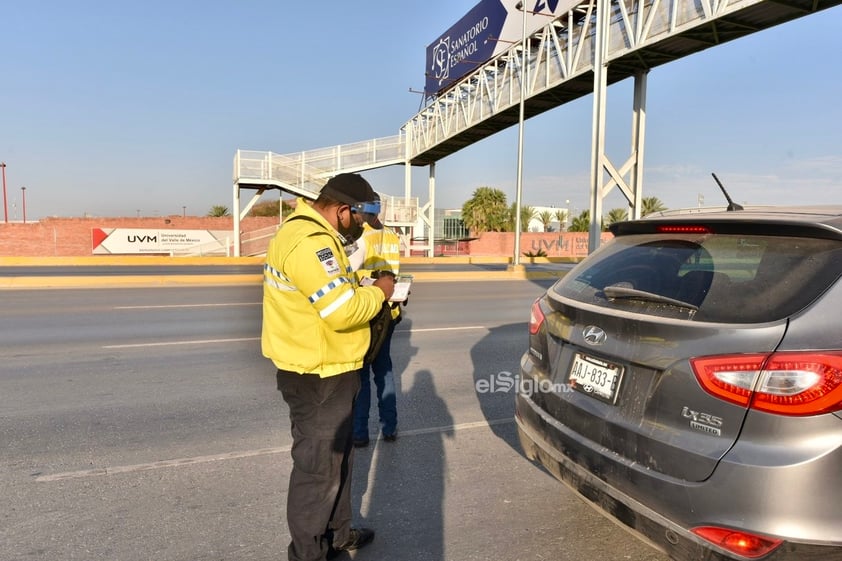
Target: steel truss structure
(582, 52)
(575, 54)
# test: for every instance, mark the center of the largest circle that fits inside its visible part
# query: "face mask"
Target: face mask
(351, 234)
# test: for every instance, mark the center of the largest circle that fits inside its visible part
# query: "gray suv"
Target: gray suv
(686, 379)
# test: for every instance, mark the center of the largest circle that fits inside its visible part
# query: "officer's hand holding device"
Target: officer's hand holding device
(385, 281)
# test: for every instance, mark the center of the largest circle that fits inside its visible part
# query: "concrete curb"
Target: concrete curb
(124, 260)
(163, 279)
(126, 281)
(151, 281)
(158, 260)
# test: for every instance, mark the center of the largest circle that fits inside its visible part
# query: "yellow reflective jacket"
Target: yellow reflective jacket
(315, 314)
(382, 253)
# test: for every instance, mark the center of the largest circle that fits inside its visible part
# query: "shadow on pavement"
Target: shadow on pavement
(400, 486)
(495, 389)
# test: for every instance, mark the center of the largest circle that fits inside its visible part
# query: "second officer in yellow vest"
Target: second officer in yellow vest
(378, 250)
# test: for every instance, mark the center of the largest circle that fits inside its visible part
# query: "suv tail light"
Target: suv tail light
(735, 541)
(537, 340)
(536, 317)
(785, 383)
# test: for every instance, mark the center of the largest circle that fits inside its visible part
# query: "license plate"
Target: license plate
(595, 377)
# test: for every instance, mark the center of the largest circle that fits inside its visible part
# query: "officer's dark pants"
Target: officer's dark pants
(319, 500)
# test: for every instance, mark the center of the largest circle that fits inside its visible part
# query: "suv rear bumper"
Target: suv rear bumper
(653, 528)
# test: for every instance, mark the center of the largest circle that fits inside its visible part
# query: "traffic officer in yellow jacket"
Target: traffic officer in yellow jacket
(378, 251)
(316, 332)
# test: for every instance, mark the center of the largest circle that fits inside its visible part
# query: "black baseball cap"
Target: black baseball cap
(349, 188)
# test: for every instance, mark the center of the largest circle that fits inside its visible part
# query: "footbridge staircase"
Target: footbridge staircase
(573, 53)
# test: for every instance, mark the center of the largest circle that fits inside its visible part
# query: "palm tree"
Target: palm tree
(486, 211)
(527, 213)
(581, 223)
(546, 217)
(218, 210)
(561, 217)
(650, 205)
(616, 215)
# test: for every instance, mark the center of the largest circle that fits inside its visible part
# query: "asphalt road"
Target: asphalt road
(118, 270)
(249, 269)
(143, 424)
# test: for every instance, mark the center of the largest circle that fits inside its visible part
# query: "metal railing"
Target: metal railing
(252, 167)
(397, 211)
(306, 172)
(641, 34)
(354, 157)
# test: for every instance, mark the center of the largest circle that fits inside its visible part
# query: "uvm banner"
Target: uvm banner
(142, 240)
(490, 28)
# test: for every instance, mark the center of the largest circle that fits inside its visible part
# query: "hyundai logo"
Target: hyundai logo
(594, 335)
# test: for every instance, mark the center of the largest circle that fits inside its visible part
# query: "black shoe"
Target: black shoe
(390, 437)
(360, 442)
(357, 538)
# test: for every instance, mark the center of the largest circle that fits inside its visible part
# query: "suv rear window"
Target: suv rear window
(706, 277)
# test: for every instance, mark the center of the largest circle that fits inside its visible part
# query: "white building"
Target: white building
(555, 212)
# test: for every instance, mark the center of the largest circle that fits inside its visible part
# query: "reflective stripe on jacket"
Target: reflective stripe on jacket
(315, 314)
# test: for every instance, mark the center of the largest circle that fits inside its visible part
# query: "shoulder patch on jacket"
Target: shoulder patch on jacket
(328, 261)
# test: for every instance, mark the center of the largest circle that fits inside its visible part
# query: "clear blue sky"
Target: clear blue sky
(110, 107)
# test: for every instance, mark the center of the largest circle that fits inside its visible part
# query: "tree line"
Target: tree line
(269, 208)
(488, 211)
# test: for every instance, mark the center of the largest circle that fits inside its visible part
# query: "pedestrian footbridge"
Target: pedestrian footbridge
(575, 53)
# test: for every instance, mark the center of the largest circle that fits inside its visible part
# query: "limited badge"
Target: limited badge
(328, 261)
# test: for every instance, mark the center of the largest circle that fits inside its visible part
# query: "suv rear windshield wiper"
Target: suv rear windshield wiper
(615, 291)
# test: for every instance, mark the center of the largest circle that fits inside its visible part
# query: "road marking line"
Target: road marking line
(160, 465)
(169, 343)
(179, 462)
(440, 329)
(218, 305)
(213, 341)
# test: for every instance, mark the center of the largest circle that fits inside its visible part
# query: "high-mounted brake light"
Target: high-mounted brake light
(736, 541)
(785, 383)
(536, 317)
(676, 229)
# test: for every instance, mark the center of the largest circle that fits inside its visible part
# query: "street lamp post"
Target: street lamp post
(519, 185)
(5, 206)
(23, 202)
(566, 214)
(184, 211)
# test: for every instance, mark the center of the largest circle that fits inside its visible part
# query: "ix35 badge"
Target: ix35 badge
(704, 422)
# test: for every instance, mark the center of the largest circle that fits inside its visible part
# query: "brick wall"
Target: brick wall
(71, 237)
(553, 244)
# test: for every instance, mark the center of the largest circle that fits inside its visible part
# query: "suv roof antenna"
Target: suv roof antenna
(731, 204)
